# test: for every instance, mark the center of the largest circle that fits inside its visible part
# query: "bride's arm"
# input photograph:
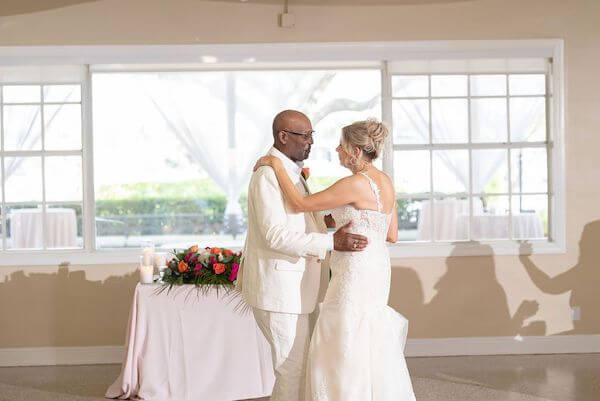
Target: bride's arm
(341, 193)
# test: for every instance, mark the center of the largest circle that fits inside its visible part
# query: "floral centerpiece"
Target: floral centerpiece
(202, 267)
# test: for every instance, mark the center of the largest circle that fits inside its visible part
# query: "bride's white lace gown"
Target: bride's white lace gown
(357, 348)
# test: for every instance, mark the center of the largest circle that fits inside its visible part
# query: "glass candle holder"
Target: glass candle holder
(146, 274)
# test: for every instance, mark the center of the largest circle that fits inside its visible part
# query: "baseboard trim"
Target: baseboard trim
(46, 356)
(575, 344)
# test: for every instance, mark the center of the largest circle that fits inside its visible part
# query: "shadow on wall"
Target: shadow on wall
(582, 279)
(472, 289)
(63, 308)
(464, 290)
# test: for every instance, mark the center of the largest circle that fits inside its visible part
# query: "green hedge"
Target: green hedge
(155, 216)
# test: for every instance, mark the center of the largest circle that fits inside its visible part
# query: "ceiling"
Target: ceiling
(15, 7)
(346, 2)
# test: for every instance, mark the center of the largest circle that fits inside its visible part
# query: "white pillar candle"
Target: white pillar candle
(147, 255)
(160, 261)
(146, 274)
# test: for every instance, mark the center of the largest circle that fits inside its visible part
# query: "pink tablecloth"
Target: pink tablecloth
(186, 346)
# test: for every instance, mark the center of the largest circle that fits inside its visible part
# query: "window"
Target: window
(100, 158)
(479, 145)
(472, 150)
(187, 141)
(41, 162)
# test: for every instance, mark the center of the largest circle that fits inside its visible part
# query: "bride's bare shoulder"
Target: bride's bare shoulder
(353, 180)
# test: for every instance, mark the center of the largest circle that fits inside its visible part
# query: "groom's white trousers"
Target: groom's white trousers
(289, 336)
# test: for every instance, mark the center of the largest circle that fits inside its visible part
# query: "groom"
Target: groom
(280, 273)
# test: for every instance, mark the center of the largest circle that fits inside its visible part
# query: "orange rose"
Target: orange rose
(227, 252)
(182, 267)
(219, 268)
(305, 172)
(215, 251)
(194, 248)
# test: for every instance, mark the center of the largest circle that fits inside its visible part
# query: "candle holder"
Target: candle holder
(146, 274)
(148, 255)
(160, 262)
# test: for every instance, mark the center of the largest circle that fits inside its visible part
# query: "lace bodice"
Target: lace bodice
(357, 275)
(371, 223)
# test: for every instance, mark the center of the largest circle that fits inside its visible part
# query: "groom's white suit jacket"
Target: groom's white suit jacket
(281, 270)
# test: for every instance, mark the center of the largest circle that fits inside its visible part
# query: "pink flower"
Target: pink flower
(234, 272)
(188, 257)
(198, 269)
(213, 260)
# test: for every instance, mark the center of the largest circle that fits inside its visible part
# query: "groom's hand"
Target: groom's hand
(345, 241)
(329, 221)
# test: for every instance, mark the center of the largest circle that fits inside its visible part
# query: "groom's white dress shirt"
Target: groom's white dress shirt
(281, 269)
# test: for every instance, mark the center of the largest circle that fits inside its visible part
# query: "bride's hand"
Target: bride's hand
(265, 161)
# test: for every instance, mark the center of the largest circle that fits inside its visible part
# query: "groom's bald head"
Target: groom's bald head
(287, 125)
(292, 120)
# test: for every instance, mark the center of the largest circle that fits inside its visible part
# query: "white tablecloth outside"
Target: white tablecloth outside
(445, 213)
(26, 228)
(186, 346)
(492, 226)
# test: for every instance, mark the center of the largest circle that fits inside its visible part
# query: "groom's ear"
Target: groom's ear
(283, 137)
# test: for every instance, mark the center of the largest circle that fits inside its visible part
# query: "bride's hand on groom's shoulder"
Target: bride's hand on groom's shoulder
(267, 160)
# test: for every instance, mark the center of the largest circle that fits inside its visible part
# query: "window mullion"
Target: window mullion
(89, 203)
(3, 214)
(510, 211)
(549, 154)
(485, 146)
(431, 200)
(43, 127)
(470, 189)
(386, 116)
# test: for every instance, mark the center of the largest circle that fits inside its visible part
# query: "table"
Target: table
(451, 219)
(444, 217)
(494, 226)
(26, 228)
(188, 346)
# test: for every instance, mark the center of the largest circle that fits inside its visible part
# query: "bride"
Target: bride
(357, 347)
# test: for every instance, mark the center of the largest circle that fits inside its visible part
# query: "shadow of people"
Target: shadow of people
(581, 279)
(470, 288)
(64, 308)
(410, 301)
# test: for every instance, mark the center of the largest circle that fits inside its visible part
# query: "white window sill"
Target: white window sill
(401, 250)
(397, 251)
(75, 257)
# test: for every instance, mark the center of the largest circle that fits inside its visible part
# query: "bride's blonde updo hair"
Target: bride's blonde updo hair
(368, 135)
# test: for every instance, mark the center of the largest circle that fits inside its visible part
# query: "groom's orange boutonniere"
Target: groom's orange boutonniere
(305, 172)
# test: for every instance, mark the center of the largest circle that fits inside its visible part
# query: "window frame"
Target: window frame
(42, 154)
(478, 247)
(298, 56)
